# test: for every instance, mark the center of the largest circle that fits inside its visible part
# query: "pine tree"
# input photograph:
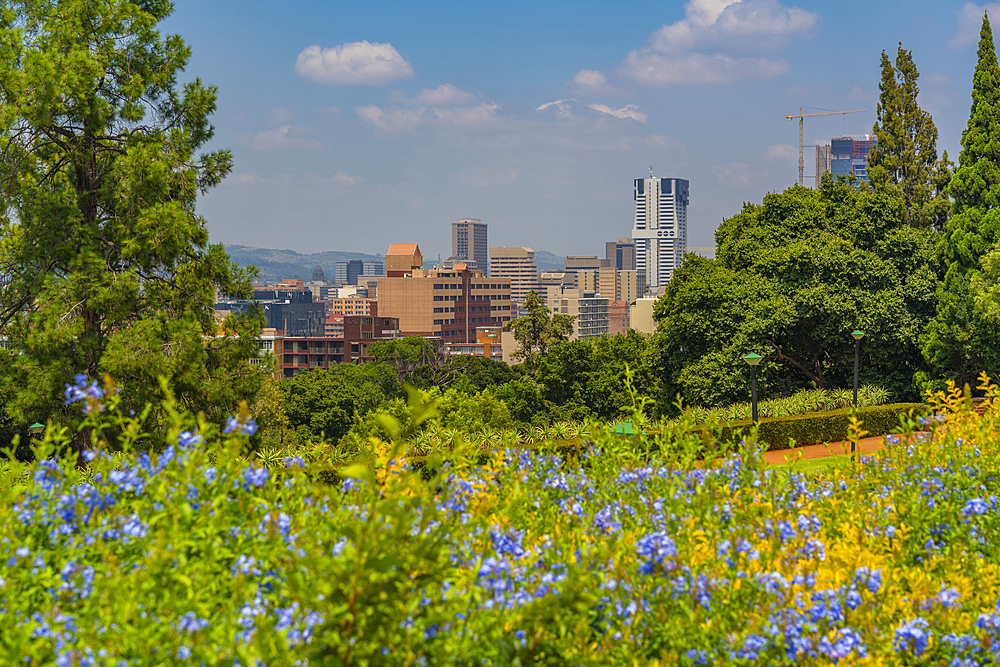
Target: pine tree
(958, 342)
(105, 262)
(904, 160)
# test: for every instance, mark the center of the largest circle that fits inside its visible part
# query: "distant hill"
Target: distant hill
(546, 261)
(275, 265)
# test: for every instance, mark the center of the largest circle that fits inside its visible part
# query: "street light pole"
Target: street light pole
(753, 359)
(857, 335)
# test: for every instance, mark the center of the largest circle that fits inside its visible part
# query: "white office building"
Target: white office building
(660, 227)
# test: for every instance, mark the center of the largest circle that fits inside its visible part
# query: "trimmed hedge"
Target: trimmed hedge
(819, 427)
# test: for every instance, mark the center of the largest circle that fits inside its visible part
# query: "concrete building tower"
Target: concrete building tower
(518, 264)
(469, 242)
(660, 227)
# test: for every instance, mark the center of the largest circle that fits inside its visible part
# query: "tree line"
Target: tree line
(106, 267)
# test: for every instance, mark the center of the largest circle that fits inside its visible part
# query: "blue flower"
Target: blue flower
(187, 439)
(975, 507)
(249, 427)
(294, 462)
(183, 653)
(80, 391)
(911, 635)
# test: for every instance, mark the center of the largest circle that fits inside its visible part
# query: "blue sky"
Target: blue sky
(356, 125)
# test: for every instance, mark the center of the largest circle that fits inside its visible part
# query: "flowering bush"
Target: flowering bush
(198, 555)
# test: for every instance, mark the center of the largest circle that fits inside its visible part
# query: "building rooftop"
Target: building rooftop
(407, 249)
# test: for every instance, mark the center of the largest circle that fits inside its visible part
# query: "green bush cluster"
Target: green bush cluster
(820, 427)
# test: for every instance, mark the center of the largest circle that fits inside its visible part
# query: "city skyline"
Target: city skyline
(407, 117)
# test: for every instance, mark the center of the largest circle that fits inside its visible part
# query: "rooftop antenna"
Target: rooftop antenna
(650, 171)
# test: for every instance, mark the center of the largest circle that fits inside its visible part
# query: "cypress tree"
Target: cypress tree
(904, 160)
(975, 189)
(959, 343)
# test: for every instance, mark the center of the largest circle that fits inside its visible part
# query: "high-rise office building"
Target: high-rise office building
(621, 254)
(518, 264)
(660, 227)
(468, 242)
(632, 285)
(822, 162)
(346, 273)
(450, 304)
(849, 155)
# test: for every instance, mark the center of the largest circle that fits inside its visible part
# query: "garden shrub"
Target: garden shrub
(199, 555)
(821, 427)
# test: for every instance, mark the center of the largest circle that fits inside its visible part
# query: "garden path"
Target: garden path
(865, 445)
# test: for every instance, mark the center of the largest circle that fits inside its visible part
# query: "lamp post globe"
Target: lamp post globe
(857, 335)
(753, 359)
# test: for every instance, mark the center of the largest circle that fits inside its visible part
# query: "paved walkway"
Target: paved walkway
(865, 445)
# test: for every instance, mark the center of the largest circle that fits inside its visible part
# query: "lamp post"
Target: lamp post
(858, 335)
(753, 359)
(36, 428)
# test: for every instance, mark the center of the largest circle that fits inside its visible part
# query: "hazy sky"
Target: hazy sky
(359, 124)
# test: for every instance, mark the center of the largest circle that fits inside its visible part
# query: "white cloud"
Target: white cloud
(782, 152)
(281, 114)
(342, 178)
(628, 111)
(652, 68)
(482, 177)
(859, 94)
(970, 20)
(733, 173)
(733, 23)
(398, 119)
(562, 107)
(590, 78)
(444, 95)
(714, 42)
(283, 138)
(354, 63)
(288, 181)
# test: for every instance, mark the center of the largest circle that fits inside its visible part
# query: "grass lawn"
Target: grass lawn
(817, 465)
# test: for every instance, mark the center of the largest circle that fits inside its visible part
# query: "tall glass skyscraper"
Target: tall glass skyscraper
(660, 227)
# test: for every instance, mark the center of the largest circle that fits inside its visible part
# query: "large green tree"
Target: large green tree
(959, 344)
(106, 263)
(793, 277)
(537, 330)
(904, 159)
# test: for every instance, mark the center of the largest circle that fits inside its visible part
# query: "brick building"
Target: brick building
(448, 304)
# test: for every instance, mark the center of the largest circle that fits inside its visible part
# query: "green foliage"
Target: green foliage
(322, 404)
(476, 412)
(109, 264)
(959, 343)
(455, 411)
(822, 427)
(274, 428)
(986, 289)
(904, 161)
(801, 402)
(590, 374)
(405, 354)
(793, 277)
(537, 331)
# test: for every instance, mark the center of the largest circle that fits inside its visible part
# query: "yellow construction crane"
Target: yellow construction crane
(801, 115)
